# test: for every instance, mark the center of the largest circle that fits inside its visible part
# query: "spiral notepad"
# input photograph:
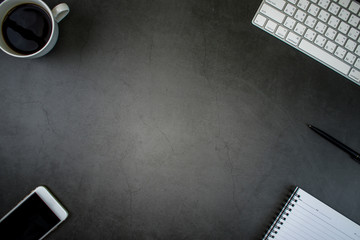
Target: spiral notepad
(304, 217)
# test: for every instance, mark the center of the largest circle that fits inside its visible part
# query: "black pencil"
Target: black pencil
(353, 154)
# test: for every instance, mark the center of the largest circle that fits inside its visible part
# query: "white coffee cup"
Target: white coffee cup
(56, 14)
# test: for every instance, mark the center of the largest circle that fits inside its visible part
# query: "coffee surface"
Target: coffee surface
(26, 28)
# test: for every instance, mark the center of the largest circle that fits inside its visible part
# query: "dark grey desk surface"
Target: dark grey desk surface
(173, 120)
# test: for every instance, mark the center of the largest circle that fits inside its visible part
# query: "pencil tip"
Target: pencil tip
(309, 125)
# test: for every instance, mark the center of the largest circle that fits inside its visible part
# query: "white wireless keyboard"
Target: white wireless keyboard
(326, 30)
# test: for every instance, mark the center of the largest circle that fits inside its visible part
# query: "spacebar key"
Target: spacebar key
(323, 56)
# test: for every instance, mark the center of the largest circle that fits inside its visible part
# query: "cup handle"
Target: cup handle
(60, 11)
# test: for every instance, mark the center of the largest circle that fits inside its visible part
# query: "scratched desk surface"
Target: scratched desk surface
(173, 120)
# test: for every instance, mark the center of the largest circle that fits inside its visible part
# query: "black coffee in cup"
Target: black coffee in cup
(26, 28)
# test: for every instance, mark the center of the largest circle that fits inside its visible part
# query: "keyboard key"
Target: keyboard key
(310, 35)
(344, 27)
(289, 23)
(300, 15)
(290, 9)
(260, 20)
(334, 8)
(334, 22)
(330, 33)
(310, 21)
(340, 39)
(350, 58)
(330, 47)
(281, 31)
(340, 52)
(355, 75)
(354, 7)
(357, 51)
(320, 41)
(279, 4)
(292, 1)
(299, 29)
(313, 9)
(324, 16)
(320, 27)
(350, 45)
(354, 20)
(353, 33)
(344, 14)
(344, 3)
(272, 13)
(293, 38)
(270, 26)
(303, 4)
(324, 3)
(357, 63)
(323, 56)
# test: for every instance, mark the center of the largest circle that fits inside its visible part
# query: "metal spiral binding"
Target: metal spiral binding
(285, 211)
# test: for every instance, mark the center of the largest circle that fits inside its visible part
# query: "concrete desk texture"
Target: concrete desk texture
(173, 120)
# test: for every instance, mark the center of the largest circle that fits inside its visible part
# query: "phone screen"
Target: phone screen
(29, 221)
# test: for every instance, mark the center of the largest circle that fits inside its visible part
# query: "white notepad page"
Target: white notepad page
(306, 218)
